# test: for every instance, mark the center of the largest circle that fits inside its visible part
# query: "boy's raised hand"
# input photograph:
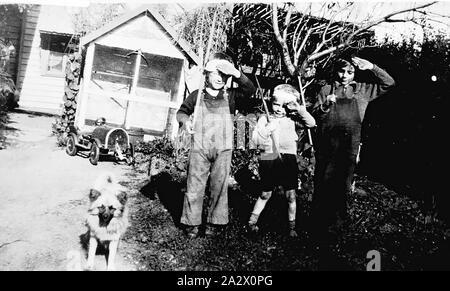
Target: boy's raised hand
(271, 126)
(189, 126)
(293, 106)
(227, 68)
(362, 64)
(331, 98)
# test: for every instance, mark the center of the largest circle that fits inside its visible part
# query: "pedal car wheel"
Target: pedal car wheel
(94, 154)
(71, 145)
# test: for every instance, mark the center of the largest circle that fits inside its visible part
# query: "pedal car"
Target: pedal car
(103, 140)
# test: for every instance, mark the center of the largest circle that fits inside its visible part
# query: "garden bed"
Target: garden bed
(380, 219)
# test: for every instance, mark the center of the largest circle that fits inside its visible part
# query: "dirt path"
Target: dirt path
(43, 194)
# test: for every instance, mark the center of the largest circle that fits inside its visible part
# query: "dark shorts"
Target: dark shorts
(279, 172)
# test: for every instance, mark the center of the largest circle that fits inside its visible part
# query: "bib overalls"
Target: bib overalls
(210, 156)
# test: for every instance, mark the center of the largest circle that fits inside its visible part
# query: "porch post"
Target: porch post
(137, 66)
(84, 94)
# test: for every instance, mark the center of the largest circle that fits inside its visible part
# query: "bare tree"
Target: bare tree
(331, 36)
(304, 42)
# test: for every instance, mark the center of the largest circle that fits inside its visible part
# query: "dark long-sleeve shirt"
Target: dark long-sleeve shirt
(363, 92)
(245, 90)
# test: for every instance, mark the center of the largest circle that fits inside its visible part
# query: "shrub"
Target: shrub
(165, 155)
(9, 97)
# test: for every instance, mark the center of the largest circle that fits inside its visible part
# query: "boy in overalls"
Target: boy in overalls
(212, 143)
(339, 112)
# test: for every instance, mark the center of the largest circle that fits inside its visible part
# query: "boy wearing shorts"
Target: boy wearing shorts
(277, 139)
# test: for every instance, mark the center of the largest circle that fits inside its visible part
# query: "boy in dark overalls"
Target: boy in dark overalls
(339, 112)
(212, 142)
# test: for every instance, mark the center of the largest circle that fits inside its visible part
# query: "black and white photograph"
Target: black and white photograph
(244, 136)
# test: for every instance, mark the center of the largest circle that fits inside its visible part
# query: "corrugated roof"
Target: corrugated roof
(149, 12)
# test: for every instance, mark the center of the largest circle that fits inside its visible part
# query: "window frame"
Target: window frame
(45, 54)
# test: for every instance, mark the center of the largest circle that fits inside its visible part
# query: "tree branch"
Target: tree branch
(397, 20)
(307, 84)
(437, 14)
(286, 57)
(287, 20)
(298, 31)
(437, 21)
(328, 27)
(308, 33)
(386, 18)
(324, 41)
(299, 51)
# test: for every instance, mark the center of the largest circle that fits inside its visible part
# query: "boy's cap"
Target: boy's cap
(342, 63)
(211, 66)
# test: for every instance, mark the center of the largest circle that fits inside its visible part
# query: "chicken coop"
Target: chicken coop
(134, 75)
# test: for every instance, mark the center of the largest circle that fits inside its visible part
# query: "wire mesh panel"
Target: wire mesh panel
(143, 105)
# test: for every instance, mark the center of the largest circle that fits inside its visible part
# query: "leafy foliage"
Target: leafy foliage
(159, 146)
(196, 27)
(164, 155)
(65, 123)
(15, 8)
(252, 43)
(8, 100)
(3, 119)
(9, 96)
(88, 19)
(10, 17)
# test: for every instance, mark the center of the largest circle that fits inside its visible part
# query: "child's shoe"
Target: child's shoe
(292, 232)
(252, 223)
(192, 231)
(253, 227)
(210, 230)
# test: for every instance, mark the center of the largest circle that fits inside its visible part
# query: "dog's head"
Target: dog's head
(108, 199)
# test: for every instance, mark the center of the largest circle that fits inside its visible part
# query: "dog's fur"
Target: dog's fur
(107, 217)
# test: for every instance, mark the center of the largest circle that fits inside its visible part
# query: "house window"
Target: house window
(53, 53)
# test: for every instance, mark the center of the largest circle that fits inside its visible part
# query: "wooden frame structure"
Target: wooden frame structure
(134, 74)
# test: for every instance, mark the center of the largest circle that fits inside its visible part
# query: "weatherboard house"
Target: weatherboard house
(44, 37)
(134, 75)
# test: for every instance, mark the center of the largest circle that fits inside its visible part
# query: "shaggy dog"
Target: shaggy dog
(107, 218)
